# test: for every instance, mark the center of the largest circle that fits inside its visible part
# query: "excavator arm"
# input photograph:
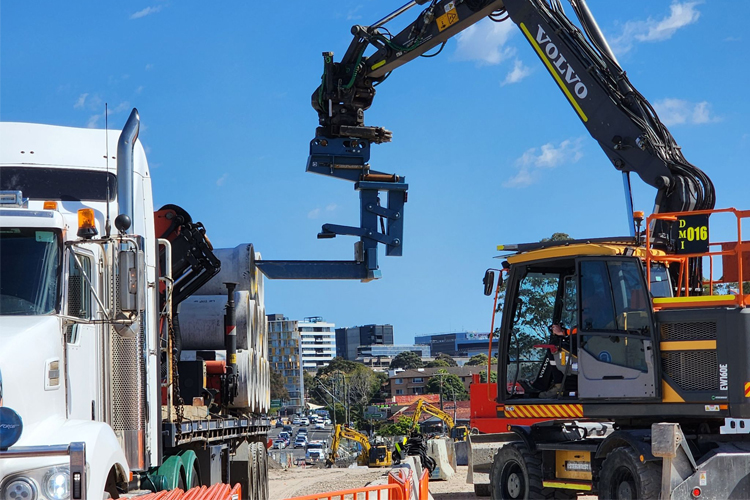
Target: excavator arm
(580, 61)
(343, 432)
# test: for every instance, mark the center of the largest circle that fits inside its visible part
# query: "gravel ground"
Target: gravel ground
(295, 482)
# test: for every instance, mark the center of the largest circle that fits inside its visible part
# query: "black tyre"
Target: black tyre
(517, 474)
(193, 477)
(624, 477)
(254, 472)
(263, 468)
(482, 490)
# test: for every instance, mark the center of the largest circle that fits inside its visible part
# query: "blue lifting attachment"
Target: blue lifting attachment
(346, 158)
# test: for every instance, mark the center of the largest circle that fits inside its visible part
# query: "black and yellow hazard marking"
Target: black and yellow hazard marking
(554, 73)
(449, 18)
(543, 411)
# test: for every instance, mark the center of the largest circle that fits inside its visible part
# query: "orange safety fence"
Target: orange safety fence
(217, 491)
(394, 491)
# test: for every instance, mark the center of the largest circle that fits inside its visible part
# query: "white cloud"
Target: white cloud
(146, 12)
(535, 160)
(681, 14)
(149, 66)
(331, 207)
(485, 42)
(316, 212)
(221, 180)
(313, 214)
(678, 112)
(96, 103)
(518, 73)
(354, 14)
(93, 121)
(81, 102)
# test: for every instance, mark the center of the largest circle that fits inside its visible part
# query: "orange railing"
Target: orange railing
(734, 256)
(399, 487)
(395, 492)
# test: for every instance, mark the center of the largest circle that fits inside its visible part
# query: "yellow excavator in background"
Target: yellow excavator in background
(458, 433)
(374, 454)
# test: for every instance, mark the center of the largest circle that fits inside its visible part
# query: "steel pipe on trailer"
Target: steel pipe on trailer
(77, 453)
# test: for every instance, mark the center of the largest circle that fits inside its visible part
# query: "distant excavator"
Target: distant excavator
(457, 432)
(374, 454)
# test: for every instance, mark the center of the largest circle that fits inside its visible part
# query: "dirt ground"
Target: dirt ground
(288, 483)
(297, 482)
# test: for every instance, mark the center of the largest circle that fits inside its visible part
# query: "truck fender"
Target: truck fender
(172, 469)
(635, 439)
(189, 462)
(524, 434)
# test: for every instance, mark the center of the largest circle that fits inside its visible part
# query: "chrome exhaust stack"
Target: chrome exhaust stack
(125, 150)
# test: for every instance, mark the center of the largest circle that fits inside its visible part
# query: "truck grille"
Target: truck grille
(692, 371)
(704, 330)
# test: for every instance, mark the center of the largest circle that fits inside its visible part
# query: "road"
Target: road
(312, 435)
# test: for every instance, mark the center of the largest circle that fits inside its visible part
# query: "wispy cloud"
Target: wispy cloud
(146, 12)
(315, 212)
(679, 112)
(221, 180)
(681, 14)
(535, 160)
(81, 102)
(149, 67)
(518, 73)
(93, 120)
(354, 14)
(485, 42)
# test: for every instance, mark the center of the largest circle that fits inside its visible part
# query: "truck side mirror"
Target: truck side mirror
(489, 281)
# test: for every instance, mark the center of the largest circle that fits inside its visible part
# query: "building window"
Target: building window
(418, 390)
(418, 380)
(399, 392)
(398, 381)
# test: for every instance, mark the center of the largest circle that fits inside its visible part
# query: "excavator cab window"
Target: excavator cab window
(544, 296)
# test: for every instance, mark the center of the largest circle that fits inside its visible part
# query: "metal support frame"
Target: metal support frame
(346, 158)
(77, 453)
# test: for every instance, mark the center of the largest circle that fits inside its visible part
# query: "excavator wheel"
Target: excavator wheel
(624, 477)
(517, 474)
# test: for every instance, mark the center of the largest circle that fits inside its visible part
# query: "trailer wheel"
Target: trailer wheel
(624, 477)
(254, 472)
(517, 474)
(263, 471)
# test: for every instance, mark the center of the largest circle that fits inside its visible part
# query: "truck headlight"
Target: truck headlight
(19, 489)
(56, 484)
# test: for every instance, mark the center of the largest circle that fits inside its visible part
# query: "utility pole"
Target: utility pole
(441, 390)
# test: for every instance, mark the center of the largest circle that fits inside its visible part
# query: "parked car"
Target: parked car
(280, 444)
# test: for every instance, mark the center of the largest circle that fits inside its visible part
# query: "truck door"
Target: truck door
(82, 339)
(616, 331)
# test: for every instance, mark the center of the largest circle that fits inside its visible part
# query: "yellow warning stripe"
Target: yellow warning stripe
(747, 389)
(688, 345)
(543, 411)
(554, 73)
(567, 486)
(695, 298)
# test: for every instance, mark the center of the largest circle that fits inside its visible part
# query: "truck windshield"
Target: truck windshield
(30, 260)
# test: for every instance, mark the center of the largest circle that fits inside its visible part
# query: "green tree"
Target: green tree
(477, 360)
(407, 360)
(447, 358)
(437, 363)
(278, 391)
(339, 364)
(483, 376)
(451, 384)
(400, 428)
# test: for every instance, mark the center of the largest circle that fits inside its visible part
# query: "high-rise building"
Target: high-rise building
(349, 339)
(285, 357)
(318, 343)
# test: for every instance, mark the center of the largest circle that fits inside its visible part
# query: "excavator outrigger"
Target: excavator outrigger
(374, 454)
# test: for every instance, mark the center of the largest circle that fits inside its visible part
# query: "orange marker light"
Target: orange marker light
(50, 205)
(86, 223)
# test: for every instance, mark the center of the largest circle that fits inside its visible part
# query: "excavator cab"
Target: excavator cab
(577, 324)
(380, 456)
(460, 433)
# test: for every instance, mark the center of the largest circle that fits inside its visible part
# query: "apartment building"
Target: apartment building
(318, 342)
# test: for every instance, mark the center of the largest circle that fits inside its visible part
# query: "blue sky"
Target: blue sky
(492, 151)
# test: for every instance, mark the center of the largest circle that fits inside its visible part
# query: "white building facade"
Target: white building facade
(318, 343)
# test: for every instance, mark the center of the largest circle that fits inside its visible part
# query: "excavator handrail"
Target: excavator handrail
(733, 253)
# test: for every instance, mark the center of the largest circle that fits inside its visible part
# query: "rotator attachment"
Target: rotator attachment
(346, 158)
